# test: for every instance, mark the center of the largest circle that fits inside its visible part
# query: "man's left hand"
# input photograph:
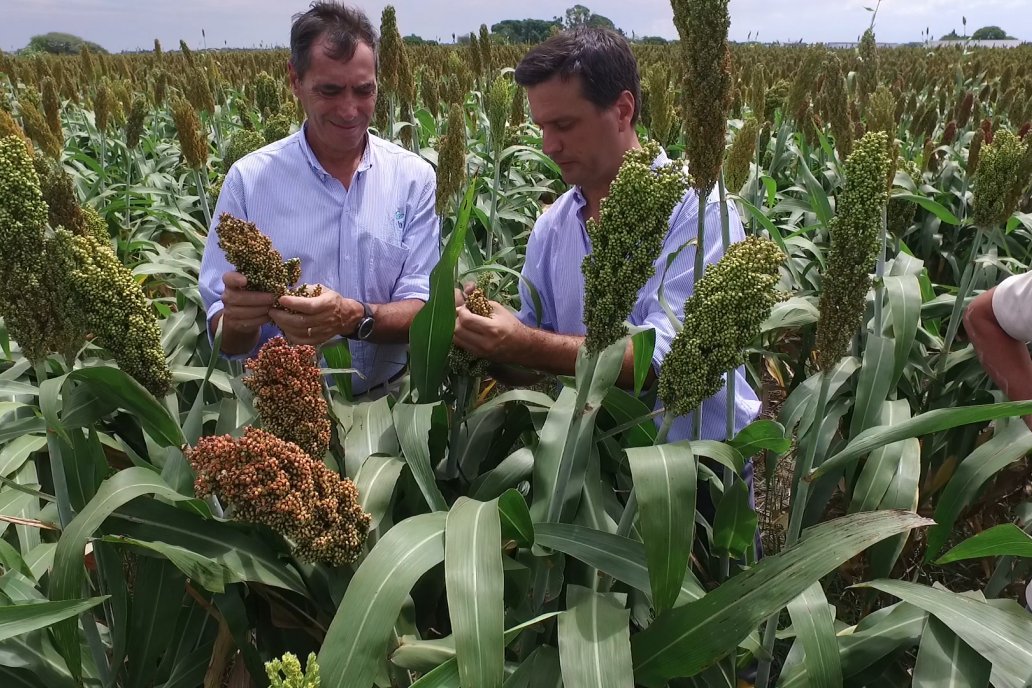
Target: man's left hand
(496, 338)
(316, 319)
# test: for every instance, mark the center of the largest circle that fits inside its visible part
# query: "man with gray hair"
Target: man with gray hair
(356, 209)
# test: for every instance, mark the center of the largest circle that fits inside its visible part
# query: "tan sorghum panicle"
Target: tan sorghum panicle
(626, 241)
(134, 123)
(192, 141)
(460, 361)
(974, 151)
(867, 71)
(834, 105)
(52, 108)
(37, 129)
(287, 389)
(451, 161)
(805, 78)
(104, 104)
(272, 482)
(486, 61)
(855, 240)
(8, 127)
(254, 257)
(964, 109)
(741, 155)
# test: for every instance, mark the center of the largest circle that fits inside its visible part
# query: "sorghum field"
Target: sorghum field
(167, 521)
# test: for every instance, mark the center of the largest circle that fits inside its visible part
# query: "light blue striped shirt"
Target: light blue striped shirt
(555, 251)
(375, 242)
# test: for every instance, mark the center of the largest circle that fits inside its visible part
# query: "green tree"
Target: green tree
(58, 43)
(525, 30)
(990, 33)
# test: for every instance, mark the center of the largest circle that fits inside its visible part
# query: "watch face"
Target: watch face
(365, 328)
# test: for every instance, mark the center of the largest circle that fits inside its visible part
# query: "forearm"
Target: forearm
(393, 321)
(554, 353)
(1004, 358)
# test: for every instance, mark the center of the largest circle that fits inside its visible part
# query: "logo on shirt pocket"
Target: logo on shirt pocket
(399, 218)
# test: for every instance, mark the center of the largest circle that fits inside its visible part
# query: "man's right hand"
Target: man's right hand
(243, 313)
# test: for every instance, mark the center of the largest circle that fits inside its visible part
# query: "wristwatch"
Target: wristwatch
(365, 325)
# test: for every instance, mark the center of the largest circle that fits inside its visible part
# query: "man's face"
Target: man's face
(338, 97)
(583, 139)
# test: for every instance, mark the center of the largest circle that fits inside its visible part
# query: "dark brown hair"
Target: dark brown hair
(343, 27)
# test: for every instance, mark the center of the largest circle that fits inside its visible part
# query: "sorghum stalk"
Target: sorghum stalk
(728, 476)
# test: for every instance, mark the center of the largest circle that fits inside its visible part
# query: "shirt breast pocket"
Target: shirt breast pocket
(383, 265)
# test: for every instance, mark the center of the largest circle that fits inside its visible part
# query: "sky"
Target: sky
(124, 25)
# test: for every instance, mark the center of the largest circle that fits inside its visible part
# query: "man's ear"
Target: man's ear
(295, 80)
(625, 109)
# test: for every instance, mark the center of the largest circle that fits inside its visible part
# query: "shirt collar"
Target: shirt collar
(364, 164)
(580, 201)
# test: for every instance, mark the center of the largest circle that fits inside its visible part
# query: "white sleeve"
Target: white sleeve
(1012, 306)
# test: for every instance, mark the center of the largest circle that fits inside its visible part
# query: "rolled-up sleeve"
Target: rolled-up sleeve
(422, 239)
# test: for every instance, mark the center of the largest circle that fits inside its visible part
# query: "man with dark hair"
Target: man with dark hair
(584, 91)
(356, 209)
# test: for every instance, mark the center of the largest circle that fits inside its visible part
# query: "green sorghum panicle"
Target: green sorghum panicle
(661, 102)
(429, 92)
(758, 93)
(741, 155)
(855, 240)
(867, 71)
(276, 127)
(242, 142)
(499, 102)
(835, 105)
(998, 183)
(721, 318)
(803, 83)
(626, 241)
(104, 104)
(273, 482)
(703, 27)
(881, 112)
(192, 139)
(8, 127)
(774, 99)
(134, 123)
(267, 94)
(486, 60)
(451, 162)
(287, 389)
(286, 672)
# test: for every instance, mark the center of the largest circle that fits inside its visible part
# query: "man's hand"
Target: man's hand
(495, 338)
(243, 311)
(316, 319)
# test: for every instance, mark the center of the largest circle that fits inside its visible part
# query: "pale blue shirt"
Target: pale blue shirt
(555, 251)
(375, 242)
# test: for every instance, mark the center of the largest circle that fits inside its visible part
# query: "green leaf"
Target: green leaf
(372, 432)
(208, 573)
(14, 453)
(873, 383)
(929, 204)
(594, 640)
(415, 424)
(616, 556)
(515, 519)
(924, 424)
(904, 298)
(665, 484)
(946, 660)
(430, 335)
(761, 435)
(375, 482)
(681, 642)
(157, 594)
(999, 635)
(880, 467)
(114, 387)
(474, 580)
(338, 357)
(644, 343)
(17, 619)
(734, 525)
(1010, 443)
(356, 642)
(814, 625)
(999, 541)
(541, 669)
(512, 469)
(68, 577)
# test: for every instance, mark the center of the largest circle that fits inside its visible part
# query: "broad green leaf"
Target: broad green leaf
(14, 454)
(999, 635)
(631, 416)
(372, 432)
(206, 572)
(17, 619)
(541, 669)
(430, 335)
(515, 519)
(338, 357)
(877, 636)
(594, 640)
(793, 313)
(416, 424)
(11, 560)
(158, 591)
(644, 343)
(512, 469)
(814, 626)
(356, 642)
(873, 383)
(375, 482)
(761, 435)
(665, 484)
(1002, 540)
(68, 577)
(681, 642)
(616, 556)
(1011, 443)
(474, 581)
(904, 297)
(929, 204)
(881, 465)
(114, 387)
(734, 525)
(946, 661)
(923, 424)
